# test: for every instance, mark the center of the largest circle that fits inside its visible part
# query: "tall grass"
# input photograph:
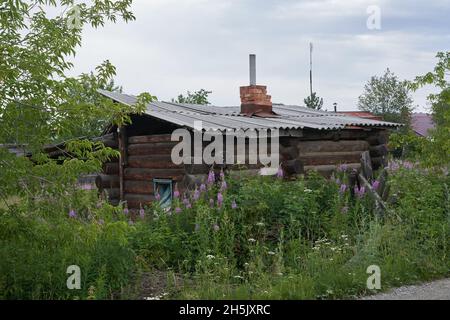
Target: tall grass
(255, 238)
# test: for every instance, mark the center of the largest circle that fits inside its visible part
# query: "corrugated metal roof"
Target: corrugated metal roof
(228, 118)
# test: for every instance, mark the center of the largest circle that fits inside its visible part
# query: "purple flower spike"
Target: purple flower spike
(142, 213)
(202, 187)
(211, 177)
(219, 199)
(343, 167)
(158, 196)
(280, 173)
(342, 188)
(177, 210)
(196, 195)
(222, 175)
(359, 192)
(176, 194)
(224, 185)
(126, 211)
(376, 184)
(72, 214)
(233, 204)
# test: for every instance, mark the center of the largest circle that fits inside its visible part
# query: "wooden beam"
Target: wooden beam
(150, 139)
(122, 159)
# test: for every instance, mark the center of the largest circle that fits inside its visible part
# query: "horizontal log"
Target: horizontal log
(134, 201)
(150, 138)
(347, 134)
(143, 187)
(332, 146)
(152, 162)
(104, 181)
(161, 148)
(324, 158)
(149, 174)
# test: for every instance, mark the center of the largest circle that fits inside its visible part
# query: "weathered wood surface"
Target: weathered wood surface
(332, 146)
(157, 148)
(149, 139)
(134, 201)
(139, 187)
(149, 174)
(324, 158)
(122, 159)
(366, 165)
(156, 161)
(104, 181)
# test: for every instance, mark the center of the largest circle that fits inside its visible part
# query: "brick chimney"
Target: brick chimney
(254, 98)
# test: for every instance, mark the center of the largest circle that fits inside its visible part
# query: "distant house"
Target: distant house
(421, 123)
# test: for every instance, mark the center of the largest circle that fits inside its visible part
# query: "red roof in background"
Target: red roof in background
(362, 114)
(421, 123)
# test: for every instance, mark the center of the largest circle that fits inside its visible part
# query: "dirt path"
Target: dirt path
(436, 290)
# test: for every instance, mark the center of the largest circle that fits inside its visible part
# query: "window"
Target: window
(163, 187)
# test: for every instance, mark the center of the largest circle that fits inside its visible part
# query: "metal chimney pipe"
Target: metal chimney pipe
(253, 69)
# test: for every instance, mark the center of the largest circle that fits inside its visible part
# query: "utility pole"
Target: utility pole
(310, 67)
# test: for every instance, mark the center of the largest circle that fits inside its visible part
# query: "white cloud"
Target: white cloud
(176, 46)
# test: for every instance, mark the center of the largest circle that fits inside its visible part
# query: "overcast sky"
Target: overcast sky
(179, 45)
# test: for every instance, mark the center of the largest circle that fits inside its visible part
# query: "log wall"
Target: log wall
(149, 157)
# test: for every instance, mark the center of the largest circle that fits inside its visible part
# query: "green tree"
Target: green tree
(314, 102)
(388, 97)
(38, 102)
(196, 97)
(434, 150)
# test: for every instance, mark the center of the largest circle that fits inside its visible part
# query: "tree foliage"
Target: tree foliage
(38, 102)
(388, 97)
(434, 150)
(196, 97)
(314, 101)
